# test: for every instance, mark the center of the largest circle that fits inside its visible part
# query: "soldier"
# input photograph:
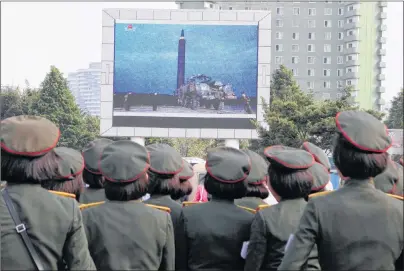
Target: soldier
(216, 230)
(91, 175)
(185, 188)
(257, 178)
(124, 233)
(50, 226)
(321, 178)
(356, 227)
(391, 179)
(290, 181)
(69, 183)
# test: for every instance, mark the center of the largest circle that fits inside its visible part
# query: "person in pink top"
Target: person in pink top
(201, 193)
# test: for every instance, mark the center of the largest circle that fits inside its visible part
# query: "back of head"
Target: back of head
(319, 155)
(321, 177)
(185, 187)
(258, 176)
(390, 181)
(361, 144)
(227, 171)
(289, 174)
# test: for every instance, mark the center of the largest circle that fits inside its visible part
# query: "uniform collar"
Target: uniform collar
(158, 196)
(222, 200)
(368, 183)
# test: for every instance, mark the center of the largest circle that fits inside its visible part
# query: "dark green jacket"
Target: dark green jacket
(129, 236)
(53, 223)
(215, 232)
(250, 202)
(91, 195)
(270, 232)
(356, 227)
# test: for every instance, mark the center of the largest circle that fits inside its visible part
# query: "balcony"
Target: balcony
(349, 51)
(382, 40)
(380, 101)
(382, 15)
(351, 13)
(351, 25)
(381, 77)
(381, 52)
(352, 37)
(381, 65)
(382, 4)
(382, 27)
(381, 89)
(351, 75)
(350, 63)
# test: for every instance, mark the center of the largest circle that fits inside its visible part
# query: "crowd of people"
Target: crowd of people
(64, 209)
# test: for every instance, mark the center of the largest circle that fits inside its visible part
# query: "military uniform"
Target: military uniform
(318, 154)
(390, 180)
(215, 231)
(258, 176)
(272, 226)
(128, 235)
(53, 223)
(356, 227)
(91, 154)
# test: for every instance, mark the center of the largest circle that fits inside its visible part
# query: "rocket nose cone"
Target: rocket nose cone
(182, 32)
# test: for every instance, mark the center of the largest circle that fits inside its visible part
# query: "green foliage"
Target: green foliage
(395, 116)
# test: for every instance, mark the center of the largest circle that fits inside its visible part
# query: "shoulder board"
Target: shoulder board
(323, 193)
(63, 194)
(88, 205)
(396, 197)
(162, 208)
(262, 206)
(189, 203)
(247, 209)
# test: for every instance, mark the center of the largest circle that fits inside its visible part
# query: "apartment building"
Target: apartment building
(328, 45)
(85, 85)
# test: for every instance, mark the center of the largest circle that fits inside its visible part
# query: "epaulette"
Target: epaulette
(396, 197)
(92, 204)
(323, 193)
(162, 208)
(247, 209)
(262, 206)
(189, 203)
(63, 194)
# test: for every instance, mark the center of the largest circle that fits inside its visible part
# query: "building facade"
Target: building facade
(85, 85)
(328, 45)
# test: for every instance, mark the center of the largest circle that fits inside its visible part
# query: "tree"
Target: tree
(395, 116)
(11, 102)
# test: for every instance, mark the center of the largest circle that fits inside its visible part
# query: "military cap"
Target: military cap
(92, 153)
(71, 163)
(228, 165)
(30, 136)
(294, 159)
(187, 171)
(321, 176)
(164, 159)
(318, 154)
(363, 131)
(259, 168)
(123, 161)
(388, 179)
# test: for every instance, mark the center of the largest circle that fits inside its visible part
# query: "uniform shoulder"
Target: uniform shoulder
(315, 195)
(162, 208)
(190, 203)
(262, 207)
(396, 197)
(247, 209)
(92, 204)
(63, 194)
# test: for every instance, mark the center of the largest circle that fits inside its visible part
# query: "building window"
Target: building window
(296, 11)
(339, 72)
(327, 72)
(327, 35)
(340, 84)
(278, 60)
(310, 72)
(279, 23)
(348, 70)
(350, 45)
(311, 23)
(295, 36)
(230, 8)
(310, 48)
(327, 84)
(295, 47)
(279, 35)
(349, 57)
(279, 47)
(327, 23)
(312, 36)
(340, 23)
(349, 21)
(310, 85)
(310, 60)
(295, 23)
(247, 8)
(340, 48)
(327, 60)
(295, 72)
(349, 82)
(326, 95)
(279, 11)
(295, 59)
(340, 11)
(327, 48)
(351, 7)
(340, 35)
(328, 11)
(312, 11)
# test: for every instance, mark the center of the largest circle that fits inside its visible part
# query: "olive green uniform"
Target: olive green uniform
(90, 195)
(250, 202)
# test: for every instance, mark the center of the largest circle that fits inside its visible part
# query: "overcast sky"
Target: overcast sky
(68, 35)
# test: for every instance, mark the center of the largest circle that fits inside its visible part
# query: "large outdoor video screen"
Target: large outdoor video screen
(185, 75)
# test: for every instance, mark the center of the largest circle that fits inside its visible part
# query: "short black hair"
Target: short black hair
(221, 190)
(163, 184)
(126, 191)
(21, 169)
(355, 163)
(93, 180)
(259, 191)
(74, 186)
(184, 190)
(290, 184)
